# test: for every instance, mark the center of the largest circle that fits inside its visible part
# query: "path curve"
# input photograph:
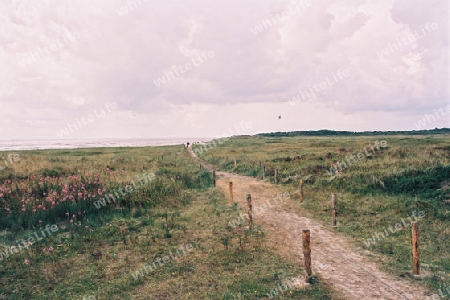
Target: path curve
(349, 273)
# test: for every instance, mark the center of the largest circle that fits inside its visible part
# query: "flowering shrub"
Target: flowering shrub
(26, 202)
(52, 197)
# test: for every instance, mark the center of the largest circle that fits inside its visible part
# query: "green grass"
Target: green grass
(373, 194)
(97, 253)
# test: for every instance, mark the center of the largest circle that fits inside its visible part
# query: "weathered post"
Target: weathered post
(250, 211)
(301, 191)
(276, 176)
(214, 177)
(235, 163)
(415, 248)
(231, 192)
(307, 254)
(264, 172)
(333, 206)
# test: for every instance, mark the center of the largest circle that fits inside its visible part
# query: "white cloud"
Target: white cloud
(117, 58)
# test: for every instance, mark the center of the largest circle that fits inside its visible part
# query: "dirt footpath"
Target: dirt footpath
(335, 259)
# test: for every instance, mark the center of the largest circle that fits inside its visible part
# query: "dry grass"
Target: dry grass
(99, 260)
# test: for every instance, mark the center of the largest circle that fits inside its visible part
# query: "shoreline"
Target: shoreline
(56, 144)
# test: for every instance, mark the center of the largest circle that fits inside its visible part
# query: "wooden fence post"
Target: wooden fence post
(250, 211)
(333, 206)
(264, 171)
(214, 178)
(276, 176)
(231, 193)
(235, 163)
(301, 191)
(307, 254)
(415, 248)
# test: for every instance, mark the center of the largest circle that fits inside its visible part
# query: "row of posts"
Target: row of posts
(306, 233)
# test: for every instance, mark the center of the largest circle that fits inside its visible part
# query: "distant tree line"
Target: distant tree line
(326, 132)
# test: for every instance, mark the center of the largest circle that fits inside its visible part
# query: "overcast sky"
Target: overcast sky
(371, 65)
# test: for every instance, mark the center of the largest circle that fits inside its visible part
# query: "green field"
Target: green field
(410, 175)
(161, 202)
(98, 249)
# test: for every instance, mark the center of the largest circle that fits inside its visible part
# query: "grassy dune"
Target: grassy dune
(411, 174)
(98, 251)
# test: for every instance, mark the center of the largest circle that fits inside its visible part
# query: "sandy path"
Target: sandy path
(337, 261)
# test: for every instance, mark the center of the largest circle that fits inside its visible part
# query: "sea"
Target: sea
(43, 144)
